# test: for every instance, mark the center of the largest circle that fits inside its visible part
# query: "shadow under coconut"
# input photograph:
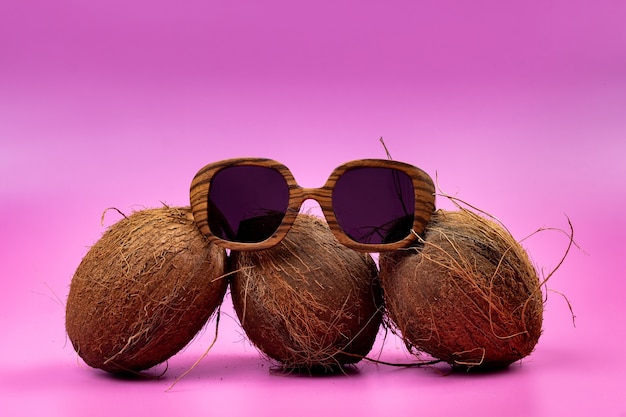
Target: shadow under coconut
(153, 374)
(446, 371)
(316, 371)
(485, 370)
(235, 367)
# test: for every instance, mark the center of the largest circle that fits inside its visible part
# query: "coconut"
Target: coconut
(468, 295)
(144, 290)
(308, 303)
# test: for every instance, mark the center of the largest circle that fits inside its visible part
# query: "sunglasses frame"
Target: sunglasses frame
(422, 184)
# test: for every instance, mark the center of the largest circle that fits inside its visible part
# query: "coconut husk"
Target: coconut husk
(308, 303)
(468, 295)
(144, 290)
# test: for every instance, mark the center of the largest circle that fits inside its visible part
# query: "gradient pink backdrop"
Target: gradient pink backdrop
(517, 107)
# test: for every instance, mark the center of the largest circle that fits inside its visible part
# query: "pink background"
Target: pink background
(517, 107)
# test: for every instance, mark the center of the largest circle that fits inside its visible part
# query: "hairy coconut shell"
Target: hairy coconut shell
(468, 296)
(309, 302)
(144, 290)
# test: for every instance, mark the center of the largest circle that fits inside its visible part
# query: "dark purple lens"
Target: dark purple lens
(247, 203)
(374, 205)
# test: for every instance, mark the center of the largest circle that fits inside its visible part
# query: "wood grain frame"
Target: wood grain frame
(422, 184)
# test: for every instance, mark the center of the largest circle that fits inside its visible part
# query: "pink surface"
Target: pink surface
(517, 107)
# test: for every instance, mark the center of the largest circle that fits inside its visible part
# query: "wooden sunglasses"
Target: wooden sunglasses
(370, 205)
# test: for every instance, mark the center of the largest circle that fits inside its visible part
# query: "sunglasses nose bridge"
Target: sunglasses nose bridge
(321, 195)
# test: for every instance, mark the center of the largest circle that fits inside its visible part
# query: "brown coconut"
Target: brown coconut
(309, 303)
(144, 290)
(468, 296)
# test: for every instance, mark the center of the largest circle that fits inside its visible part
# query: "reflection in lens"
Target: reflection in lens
(247, 203)
(374, 205)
